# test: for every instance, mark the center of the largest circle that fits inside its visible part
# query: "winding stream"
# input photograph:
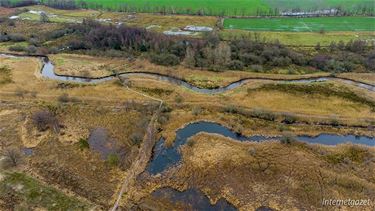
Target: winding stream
(166, 157)
(47, 71)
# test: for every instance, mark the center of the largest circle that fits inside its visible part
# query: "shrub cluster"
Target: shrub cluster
(44, 120)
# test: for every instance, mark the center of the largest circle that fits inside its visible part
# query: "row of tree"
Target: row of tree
(210, 52)
(123, 7)
(22, 3)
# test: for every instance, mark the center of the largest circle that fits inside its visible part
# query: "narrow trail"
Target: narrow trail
(144, 153)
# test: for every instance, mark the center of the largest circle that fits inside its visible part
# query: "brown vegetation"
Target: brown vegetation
(294, 176)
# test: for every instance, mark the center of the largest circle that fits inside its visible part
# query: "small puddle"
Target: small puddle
(166, 157)
(28, 151)
(264, 208)
(99, 141)
(192, 199)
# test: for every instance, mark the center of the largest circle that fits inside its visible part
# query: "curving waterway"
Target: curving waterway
(166, 157)
(47, 71)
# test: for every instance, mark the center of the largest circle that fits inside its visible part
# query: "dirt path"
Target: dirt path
(143, 157)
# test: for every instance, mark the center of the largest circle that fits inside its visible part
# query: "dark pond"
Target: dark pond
(264, 208)
(99, 141)
(193, 200)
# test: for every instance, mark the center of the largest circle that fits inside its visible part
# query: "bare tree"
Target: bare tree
(189, 60)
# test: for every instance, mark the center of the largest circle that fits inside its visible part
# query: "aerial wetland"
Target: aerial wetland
(186, 105)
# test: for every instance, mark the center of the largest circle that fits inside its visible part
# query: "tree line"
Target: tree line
(209, 52)
(124, 7)
(213, 53)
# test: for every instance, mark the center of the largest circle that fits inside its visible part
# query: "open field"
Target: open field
(322, 4)
(154, 22)
(301, 38)
(161, 23)
(226, 7)
(303, 24)
(206, 7)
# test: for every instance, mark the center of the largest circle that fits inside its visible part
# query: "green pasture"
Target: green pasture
(325, 24)
(228, 7)
(204, 7)
(306, 5)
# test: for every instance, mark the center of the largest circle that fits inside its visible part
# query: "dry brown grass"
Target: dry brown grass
(307, 107)
(24, 71)
(250, 126)
(304, 104)
(365, 77)
(28, 28)
(81, 172)
(161, 22)
(81, 65)
(302, 38)
(6, 11)
(88, 66)
(27, 79)
(9, 124)
(68, 63)
(121, 123)
(70, 13)
(290, 177)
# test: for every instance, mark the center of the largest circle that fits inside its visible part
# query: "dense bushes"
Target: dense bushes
(17, 48)
(20, 3)
(60, 33)
(44, 120)
(12, 37)
(165, 59)
(370, 61)
(210, 52)
(62, 4)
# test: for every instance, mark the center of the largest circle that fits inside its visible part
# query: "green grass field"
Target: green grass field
(302, 24)
(27, 193)
(319, 4)
(228, 7)
(208, 7)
